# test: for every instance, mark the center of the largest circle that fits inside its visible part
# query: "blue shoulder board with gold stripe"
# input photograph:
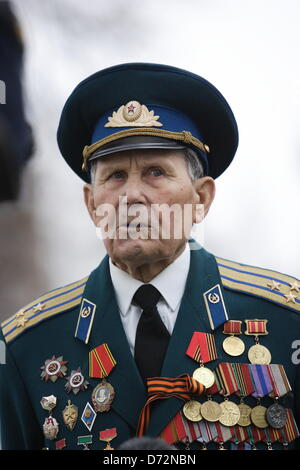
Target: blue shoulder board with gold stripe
(270, 285)
(48, 305)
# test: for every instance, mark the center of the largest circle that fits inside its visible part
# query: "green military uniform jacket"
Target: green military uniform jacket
(46, 328)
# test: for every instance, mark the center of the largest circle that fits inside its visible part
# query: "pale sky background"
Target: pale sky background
(248, 49)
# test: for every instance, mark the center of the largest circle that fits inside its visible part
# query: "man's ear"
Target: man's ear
(89, 201)
(205, 189)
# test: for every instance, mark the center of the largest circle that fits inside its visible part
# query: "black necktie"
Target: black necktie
(152, 337)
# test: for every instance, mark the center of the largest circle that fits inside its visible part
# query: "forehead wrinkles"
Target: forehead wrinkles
(136, 160)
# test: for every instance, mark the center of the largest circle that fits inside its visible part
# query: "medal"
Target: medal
(107, 436)
(211, 410)
(230, 413)
(205, 376)
(245, 412)
(70, 415)
(276, 416)
(76, 382)
(245, 388)
(258, 354)
(50, 426)
(202, 349)
(258, 416)
(192, 410)
(102, 396)
(54, 368)
(232, 345)
(88, 416)
(85, 441)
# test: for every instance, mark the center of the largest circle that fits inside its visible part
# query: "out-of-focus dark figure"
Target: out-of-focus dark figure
(16, 141)
(146, 443)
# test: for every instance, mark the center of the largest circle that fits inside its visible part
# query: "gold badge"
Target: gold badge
(133, 114)
(70, 415)
(230, 415)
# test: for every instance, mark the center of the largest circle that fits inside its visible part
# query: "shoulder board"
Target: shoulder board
(267, 284)
(47, 306)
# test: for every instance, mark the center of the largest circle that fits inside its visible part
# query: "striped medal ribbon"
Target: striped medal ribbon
(101, 362)
(182, 387)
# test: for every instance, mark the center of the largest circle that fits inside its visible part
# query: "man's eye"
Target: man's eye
(117, 175)
(156, 172)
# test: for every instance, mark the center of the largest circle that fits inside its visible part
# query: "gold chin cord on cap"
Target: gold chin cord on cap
(184, 136)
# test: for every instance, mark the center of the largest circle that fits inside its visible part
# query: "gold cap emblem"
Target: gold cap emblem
(133, 114)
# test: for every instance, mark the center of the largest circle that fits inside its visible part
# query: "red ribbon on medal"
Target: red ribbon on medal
(290, 431)
(232, 327)
(101, 362)
(202, 347)
(227, 379)
(244, 379)
(256, 327)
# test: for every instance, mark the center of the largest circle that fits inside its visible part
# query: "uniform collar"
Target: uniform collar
(170, 282)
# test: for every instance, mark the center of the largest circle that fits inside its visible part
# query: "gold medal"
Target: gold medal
(230, 413)
(211, 411)
(233, 346)
(258, 416)
(205, 376)
(245, 419)
(259, 354)
(192, 410)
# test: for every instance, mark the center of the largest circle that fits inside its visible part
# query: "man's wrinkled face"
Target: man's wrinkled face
(144, 179)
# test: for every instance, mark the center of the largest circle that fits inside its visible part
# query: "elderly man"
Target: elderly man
(162, 339)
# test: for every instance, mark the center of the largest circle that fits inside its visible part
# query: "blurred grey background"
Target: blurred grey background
(249, 50)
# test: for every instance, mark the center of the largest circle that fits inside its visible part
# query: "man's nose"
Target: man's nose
(134, 189)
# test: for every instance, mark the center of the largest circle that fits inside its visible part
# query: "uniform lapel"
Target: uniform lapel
(192, 316)
(130, 392)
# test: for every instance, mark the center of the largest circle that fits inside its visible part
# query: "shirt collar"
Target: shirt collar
(170, 282)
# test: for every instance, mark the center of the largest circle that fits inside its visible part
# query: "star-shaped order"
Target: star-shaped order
(274, 285)
(295, 286)
(290, 298)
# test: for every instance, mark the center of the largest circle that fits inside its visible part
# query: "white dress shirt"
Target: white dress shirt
(170, 283)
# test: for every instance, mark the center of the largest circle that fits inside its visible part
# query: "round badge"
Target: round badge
(276, 416)
(233, 346)
(205, 376)
(230, 413)
(132, 111)
(258, 416)
(192, 410)
(259, 354)
(211, 411)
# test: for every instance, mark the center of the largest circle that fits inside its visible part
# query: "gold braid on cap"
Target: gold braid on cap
(184, 136)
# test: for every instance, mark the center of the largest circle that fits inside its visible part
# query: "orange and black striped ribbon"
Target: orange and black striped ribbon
(159, 388)
(101, 362)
